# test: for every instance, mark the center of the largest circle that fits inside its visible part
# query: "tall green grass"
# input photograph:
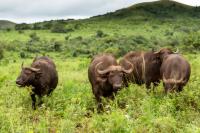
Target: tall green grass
(72, 107)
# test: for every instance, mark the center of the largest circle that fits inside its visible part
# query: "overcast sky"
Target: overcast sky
(39, 10)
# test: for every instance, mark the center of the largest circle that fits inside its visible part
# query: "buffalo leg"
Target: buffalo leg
(40, 101)
(50, 92)
(155, 84)
(33, 101)
(165, 87)
(148, 86)
(99, 104)
(180, 88)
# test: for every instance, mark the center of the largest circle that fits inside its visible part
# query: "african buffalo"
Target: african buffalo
(146, 68)
(42, 76)
(105, 76)
(175, 70)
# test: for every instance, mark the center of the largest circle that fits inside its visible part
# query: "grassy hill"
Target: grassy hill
(141, 26)
(155, 10)
(142, 12)
(5, 24)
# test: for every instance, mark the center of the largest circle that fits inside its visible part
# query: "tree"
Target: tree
(58, 28)
(22, 26)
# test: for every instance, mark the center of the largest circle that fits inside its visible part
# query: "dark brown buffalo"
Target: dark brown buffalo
(105, 76)
(146, 68)
(42, 76)
(175, 70)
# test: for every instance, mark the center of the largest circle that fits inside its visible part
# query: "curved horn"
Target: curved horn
(128, 70)
(157, 52)
(34, 69)
(182, 81)
(173, 80)
(177, 51)
(101, 72)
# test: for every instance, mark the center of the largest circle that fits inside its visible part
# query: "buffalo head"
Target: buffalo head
(27, 76)
(162, 53)
(113, 74)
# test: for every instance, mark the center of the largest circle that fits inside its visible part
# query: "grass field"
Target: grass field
(72, 107)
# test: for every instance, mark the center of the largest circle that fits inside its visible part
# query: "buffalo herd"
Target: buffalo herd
(107, 76)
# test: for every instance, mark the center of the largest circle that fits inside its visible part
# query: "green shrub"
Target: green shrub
(20, 31)
(8, 29)
(47, 25)
(100, 34)
(192, 41)
(58, 28)
(22, 55)
(76, 26)
(67, 37)
(22, 26)
(140, 40)
(37, 26)
(57, 46)
(185, 29)
(79, 38)
(34, 37)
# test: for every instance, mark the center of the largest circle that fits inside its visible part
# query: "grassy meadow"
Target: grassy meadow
(72, 107)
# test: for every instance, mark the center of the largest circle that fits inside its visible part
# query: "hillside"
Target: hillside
(157, 9)
(5, 24)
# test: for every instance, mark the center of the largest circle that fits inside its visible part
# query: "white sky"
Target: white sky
(39, 10)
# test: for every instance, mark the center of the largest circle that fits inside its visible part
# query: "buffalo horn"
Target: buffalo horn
(128, 70)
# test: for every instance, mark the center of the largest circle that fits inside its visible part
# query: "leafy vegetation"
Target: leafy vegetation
(72, 107)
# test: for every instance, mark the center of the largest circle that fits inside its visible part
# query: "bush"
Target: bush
(155, 27)
(8, 29)
(140, 40)
(22, 26)
(173, 41)
(192, 41)
(34, 37)
(37, 26)
(20, 31)
(185, 29)
(22, 55)
(68, 30)
(100, 34)
(77, 26)
(67, 37)
(58, 28)
(79, 38)
(169, 33)
(47, 25)
(57, 46)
